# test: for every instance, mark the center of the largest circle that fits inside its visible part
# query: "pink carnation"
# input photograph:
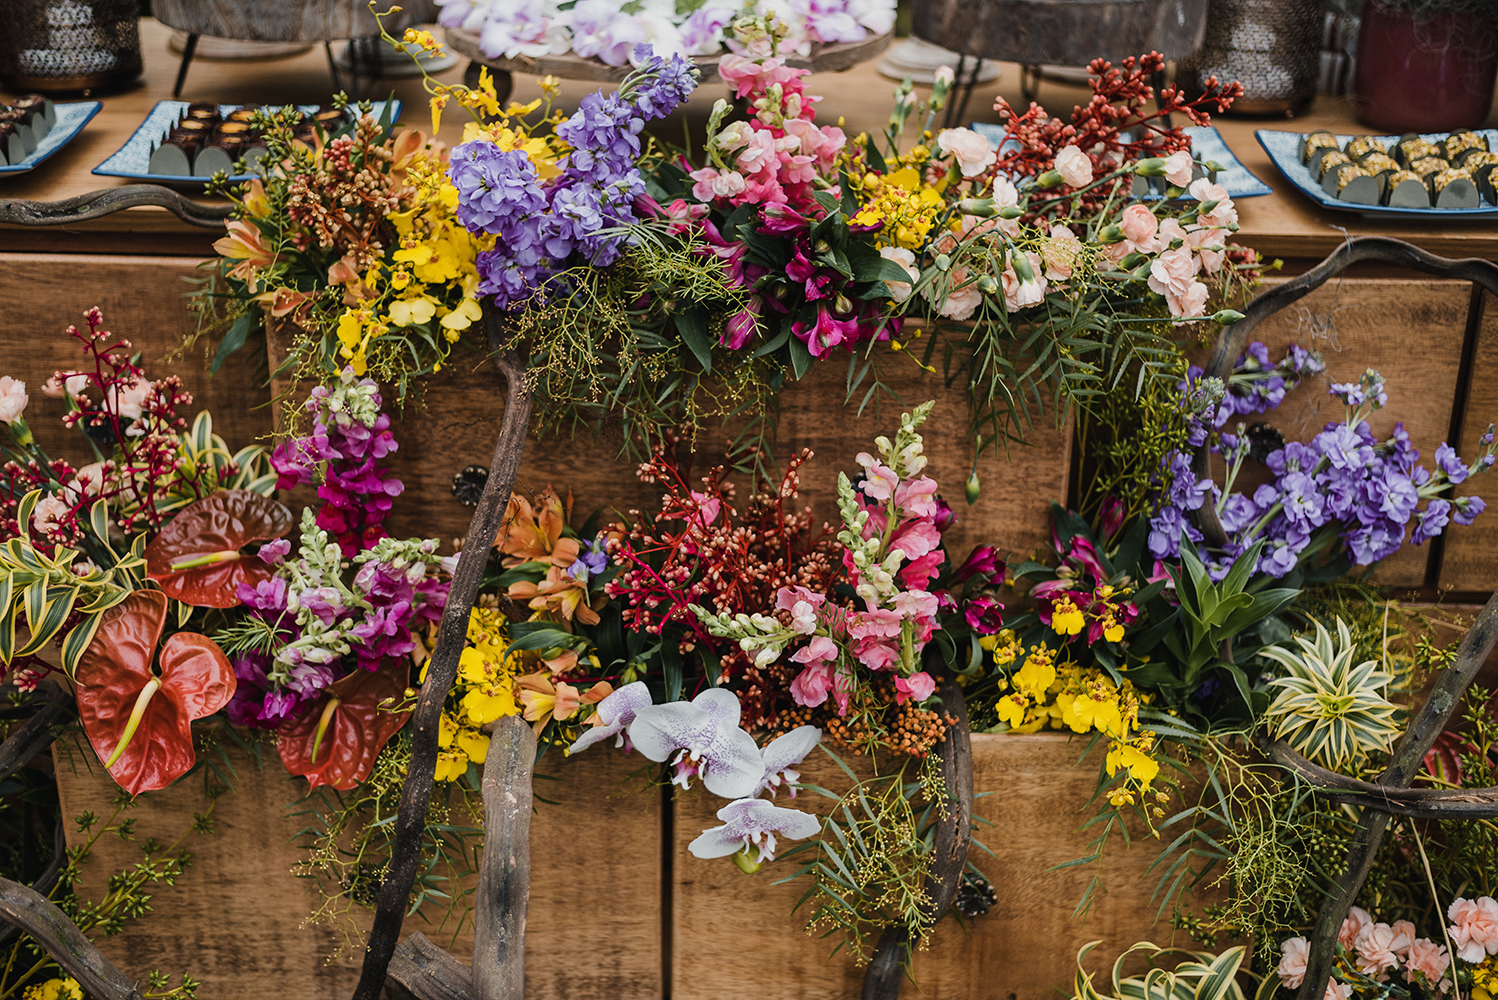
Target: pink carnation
(1296, 952)
(1178, 168)
(1352, 925)
(1474, 927)
(1074, 166)
(1139, 225)
(1430, 960)
(1375, 951)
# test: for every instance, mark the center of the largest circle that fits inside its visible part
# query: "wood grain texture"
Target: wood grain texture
(1412, 331)
(142, 301)
(235, 919)
(454, 431)
(1470, 560)
(732, 929)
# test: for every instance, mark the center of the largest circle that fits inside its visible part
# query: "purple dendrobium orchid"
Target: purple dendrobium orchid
(617, 711)
(782, 755)
(706, 739)
(752, 823)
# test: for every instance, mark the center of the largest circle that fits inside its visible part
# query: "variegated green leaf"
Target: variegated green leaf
(45, 626)
(27, 506)
(98, 519)
(78, 640)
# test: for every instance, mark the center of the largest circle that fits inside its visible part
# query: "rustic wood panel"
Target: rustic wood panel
(142, 300)
(1411, 330)
(1470, 560)
(463, 407)
(235, 920)
(731, 928)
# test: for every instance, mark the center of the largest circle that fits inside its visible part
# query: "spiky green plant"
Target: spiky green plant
(1199, 975)
(1327, 709)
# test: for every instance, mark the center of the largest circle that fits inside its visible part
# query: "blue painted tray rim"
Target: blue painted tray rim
(29, 164)
(1325, 200)
(185, 178)
(996, 134)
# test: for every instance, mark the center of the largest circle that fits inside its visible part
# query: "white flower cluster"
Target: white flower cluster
(609, 30)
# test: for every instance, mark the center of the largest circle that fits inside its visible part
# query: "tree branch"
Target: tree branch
(886, 972)
(504, 889)
(50, 927)
(1403, 766)
(442, 670)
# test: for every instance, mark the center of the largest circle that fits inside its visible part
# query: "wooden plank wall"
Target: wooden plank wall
(731, 928)
(238, 918)
(456, 426)
(142, 300)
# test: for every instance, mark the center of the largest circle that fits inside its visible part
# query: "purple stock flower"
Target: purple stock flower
(1467, 508)
(1433, 520)
(1450, 463)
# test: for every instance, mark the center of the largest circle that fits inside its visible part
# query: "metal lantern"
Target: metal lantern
(69, 45)
(1272, 47)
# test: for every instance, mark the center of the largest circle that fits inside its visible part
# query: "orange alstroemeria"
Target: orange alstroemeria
(545, 701)
(243, 243)
(532, 535)
(593, 696)
(559, 591)
(256, 203)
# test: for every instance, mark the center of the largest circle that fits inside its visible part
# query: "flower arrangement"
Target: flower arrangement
(609, 33)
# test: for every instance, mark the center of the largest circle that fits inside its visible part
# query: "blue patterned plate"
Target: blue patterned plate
(71, 118)
(1206, 142)
(133, 159)
(1284, 150)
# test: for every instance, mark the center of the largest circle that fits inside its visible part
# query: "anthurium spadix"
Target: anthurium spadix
(200, 556)
(137, 705)
(335, 742)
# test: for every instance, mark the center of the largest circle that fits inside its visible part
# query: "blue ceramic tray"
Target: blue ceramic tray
(1284, 151)
(71, 118)
(133, 159)
(1206, 143)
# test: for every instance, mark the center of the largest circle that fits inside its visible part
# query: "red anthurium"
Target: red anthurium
(137, 719)
(336, 741)
(198, 556)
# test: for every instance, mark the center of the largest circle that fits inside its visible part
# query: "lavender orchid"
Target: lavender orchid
(749, 824)
(617, 711)
(705, 737)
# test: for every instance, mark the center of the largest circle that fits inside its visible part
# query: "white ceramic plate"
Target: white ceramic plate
(71, 118)
(1284, 150)
(133, 159)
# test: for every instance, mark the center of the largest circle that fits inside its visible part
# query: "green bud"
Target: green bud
(987, 285)
(943, 262)
(1212, 166)
(1205, 208)
(1142, 272)
(1011, 212)
(1152, 166)
(822, 246)
(1232, 227)
(1050, 179)
(971, 488)
(1173, 192)
(981, 207)
(1132, 261)
(1177, 243)
(745, 863)
(841, 304)
(1226, 317)
(1110, 235)
(1022, 269)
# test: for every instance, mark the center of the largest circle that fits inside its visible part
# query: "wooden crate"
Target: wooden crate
(730, 929)
(1470, 559)
(142, 300)
(457, 425)
(237, 920)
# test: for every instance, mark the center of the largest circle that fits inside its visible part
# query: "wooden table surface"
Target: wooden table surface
(1284, 224)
